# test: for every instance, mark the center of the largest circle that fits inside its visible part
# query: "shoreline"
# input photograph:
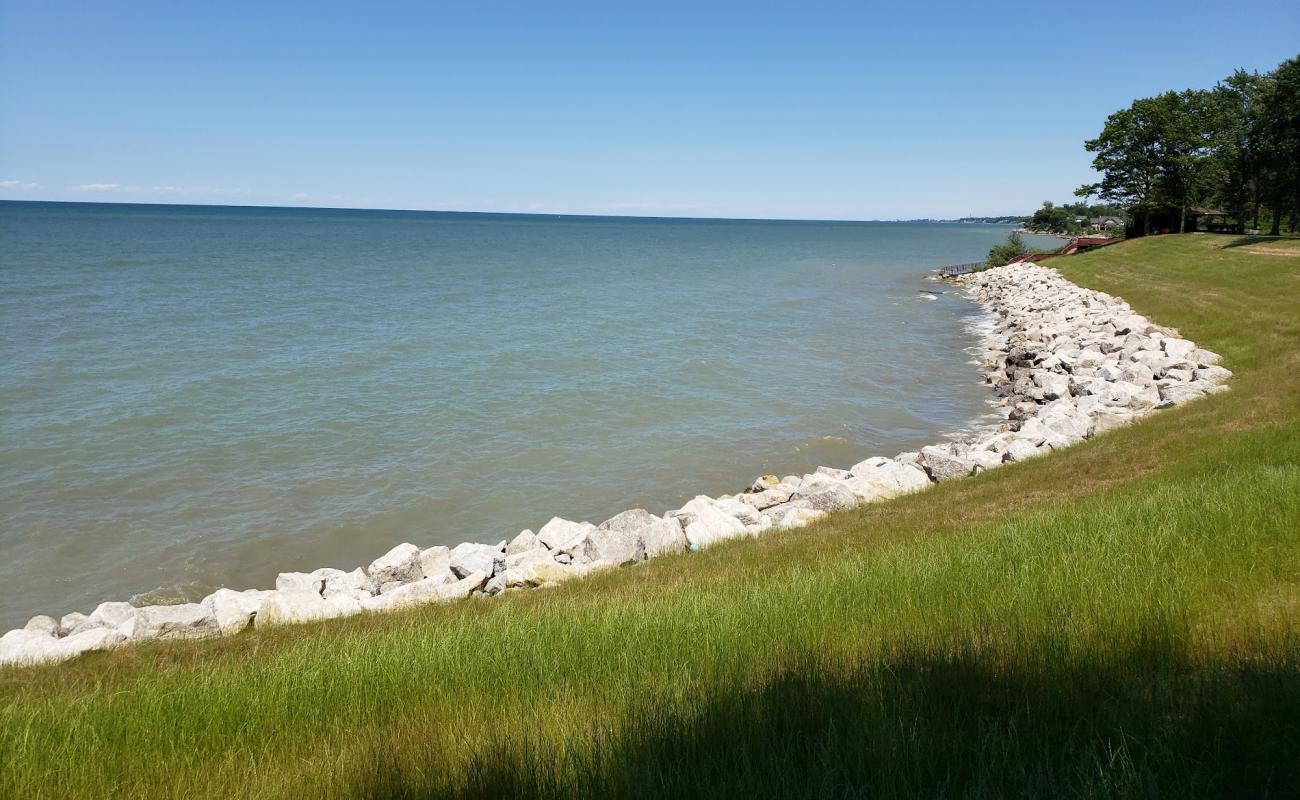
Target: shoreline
(1064, 364)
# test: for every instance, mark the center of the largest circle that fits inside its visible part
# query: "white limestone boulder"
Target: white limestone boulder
(1023, 449)
(431, 590)
(944, 465)
(824, 493)
(882, 478)
(468, 558)
(436, 562)
(72, 621)
(300, 582)
(744, 512)
(710, 525)
(1213, 375)
(663, 536)
(798, 517)
(525, 541)
(233, 610)
(113, 615)
(182, 621)
(560, 531)
(25, 648)
(297, 606)
(768, 497)
(43, 624)
(1178, 393)
(401, 564)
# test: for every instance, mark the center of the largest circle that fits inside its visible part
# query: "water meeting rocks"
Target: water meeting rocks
(1064, 364)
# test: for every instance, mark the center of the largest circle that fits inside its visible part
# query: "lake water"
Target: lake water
(196, 397)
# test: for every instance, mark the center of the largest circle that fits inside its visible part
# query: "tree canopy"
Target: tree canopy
(1236, 145)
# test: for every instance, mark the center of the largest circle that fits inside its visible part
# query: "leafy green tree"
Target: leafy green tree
(1129, 155)
(1001, 254)
(1187, 167)
(1278, 128)
(1237, 145)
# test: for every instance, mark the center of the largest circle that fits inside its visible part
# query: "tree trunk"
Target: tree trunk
(1182, 216)
(1277, 219)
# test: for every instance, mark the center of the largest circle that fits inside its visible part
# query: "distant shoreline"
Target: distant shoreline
(520, 214)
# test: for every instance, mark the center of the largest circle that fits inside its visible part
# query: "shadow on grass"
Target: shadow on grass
(1244, 241)
(1146, 725)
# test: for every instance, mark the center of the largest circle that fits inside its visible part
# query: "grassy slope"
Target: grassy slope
(1121, 619)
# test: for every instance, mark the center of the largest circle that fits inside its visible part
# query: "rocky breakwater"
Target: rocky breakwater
(1064, 364)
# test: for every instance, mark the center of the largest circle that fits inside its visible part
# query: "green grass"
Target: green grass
(1118, 620)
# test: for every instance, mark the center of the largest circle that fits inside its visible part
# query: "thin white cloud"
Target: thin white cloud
(98, 187)
(19, 185)
(300, 195)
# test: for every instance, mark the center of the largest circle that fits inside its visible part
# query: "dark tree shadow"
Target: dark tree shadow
(1145, 725)
(1243, 241)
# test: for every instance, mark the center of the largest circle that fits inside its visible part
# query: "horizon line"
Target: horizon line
(509, 213)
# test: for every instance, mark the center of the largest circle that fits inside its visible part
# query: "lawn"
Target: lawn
(1121, 619)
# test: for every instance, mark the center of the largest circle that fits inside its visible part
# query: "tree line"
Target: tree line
(1070, 218)
(1235, 146)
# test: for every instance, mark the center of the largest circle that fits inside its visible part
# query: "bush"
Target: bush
(1001, 254)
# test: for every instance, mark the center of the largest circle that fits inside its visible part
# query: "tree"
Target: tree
(1278, 128)
(1236, 145)
(1187, 124)
(1128, 157)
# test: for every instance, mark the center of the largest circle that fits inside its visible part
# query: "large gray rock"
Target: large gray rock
(468, 558)
(1178, 393)
(1213, 375)
(560, 531)
(401, 564)
(663, 536)
(1022, 449)
(1053, 384)
(945, 465)
(985, 459)
(824, 493)
(618, 539)
(183, 621)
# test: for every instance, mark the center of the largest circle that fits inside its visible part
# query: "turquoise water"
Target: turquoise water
(196, 397)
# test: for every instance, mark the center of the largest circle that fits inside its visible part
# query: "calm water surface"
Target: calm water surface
(196, 397)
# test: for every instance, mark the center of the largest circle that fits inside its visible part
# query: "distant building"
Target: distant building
(1105, 223)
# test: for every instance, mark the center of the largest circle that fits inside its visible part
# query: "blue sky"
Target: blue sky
(798, 110)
